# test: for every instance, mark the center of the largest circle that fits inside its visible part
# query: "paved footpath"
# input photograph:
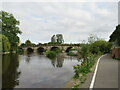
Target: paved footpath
(107, 73)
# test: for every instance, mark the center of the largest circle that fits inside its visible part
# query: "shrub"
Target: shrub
(84, 68)
(20, 50)
(57, 50)
(70, 53)
(84, 50)
(51, 54)
(100, 46)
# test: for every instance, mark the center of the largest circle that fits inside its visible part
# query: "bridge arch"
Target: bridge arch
(40, 50)
(30, 50)
(68, 49)
(54, 48)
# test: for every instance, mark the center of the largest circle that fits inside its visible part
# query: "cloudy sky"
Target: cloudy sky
(75, 20)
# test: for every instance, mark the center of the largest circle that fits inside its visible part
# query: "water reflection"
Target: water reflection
(28, 58)
(10, 73)
(37, 71)
(58, 61)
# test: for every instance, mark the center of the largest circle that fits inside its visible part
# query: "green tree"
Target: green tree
(115, 36)
(100, 46)
(10, 29)
(85, 50)
(28, 43)
(23, 45)
(4, 44)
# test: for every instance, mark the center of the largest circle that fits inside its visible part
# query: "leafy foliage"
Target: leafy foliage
(28, 43)
(84, 50)
(5, 44)
(51, 54)
(72, 52)
(84, 68)
(10, 29)
(89, 52)
(100, 46)
(115, 36)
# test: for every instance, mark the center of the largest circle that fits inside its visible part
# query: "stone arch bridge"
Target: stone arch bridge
(42, 48)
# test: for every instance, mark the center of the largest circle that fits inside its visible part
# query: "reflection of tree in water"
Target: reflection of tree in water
(58, 62)
(28, 58)
(53, 61)
(10, 73)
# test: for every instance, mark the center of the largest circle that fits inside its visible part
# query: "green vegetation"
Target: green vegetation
(100, 46)
(51, 54)
(73, 52)
(20, 50)
(89, 52)
(115, 39)
(27, 43)
(84, 68)
(5, 44)
(10, 29)
(115, 36)
(57, 50)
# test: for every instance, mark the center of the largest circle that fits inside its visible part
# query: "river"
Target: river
(37, 71)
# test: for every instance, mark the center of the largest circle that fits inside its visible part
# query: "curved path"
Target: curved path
(107, 73)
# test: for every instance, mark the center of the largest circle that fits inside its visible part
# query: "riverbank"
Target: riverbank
(89, 76)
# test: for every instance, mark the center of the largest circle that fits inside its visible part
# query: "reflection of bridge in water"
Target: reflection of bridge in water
(42, 48)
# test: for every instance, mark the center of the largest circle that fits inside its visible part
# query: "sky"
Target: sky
(74, 20)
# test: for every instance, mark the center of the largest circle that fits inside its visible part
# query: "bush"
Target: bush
(70, 53)
(20, 50)
(84, 68)
(57, 50)
(51, 54)
(84, 50)
(100, 46)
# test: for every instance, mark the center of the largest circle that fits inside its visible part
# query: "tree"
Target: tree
(4, 44)
(100, 46)
(57, 39)
(28, 43)
(60, 39)
(115, 36)
(23, 45)
(10, 29)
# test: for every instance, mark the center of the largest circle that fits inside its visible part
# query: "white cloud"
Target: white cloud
(39, 21)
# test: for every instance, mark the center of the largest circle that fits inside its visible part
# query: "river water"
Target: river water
(36, 71)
